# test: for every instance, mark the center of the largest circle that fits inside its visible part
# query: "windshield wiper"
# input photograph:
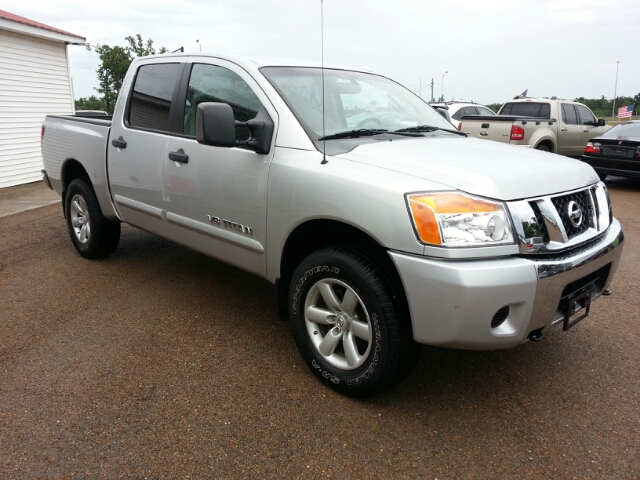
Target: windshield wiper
(363, 132)
(429, 128)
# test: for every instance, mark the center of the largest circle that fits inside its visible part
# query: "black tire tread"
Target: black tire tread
(105, 234)
(376, 270)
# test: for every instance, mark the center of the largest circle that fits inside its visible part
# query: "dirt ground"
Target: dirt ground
(159, 362)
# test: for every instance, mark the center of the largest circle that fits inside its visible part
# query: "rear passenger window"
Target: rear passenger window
(152, 95)
(210, 83)
(569, 114)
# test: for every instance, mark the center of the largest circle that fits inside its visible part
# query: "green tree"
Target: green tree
(114, 64)
(494, 106)
(90, 103)
(139, 48)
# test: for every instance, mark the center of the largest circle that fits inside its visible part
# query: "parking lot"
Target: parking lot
(160, 362)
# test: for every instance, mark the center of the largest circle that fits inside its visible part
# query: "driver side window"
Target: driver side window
(210, 83)
(586, 117)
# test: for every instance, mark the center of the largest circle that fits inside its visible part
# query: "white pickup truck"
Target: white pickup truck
(548, 124)
(382, 226)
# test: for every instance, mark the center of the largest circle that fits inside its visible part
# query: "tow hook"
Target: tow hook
(536, 335)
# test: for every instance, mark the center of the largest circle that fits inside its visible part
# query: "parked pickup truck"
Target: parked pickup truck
(381, 225)
(548, 124)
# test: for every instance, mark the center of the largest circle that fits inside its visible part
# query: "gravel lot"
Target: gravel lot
(159, 362)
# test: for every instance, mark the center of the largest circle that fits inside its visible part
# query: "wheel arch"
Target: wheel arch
(547, 143)
(72, 169)
(316, 234)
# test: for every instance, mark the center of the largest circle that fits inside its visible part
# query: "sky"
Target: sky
(484, 51)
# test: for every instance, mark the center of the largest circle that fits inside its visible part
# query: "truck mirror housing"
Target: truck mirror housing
(215, 125)
(601, 122)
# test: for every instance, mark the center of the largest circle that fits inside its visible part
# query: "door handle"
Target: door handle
(179, 156)
(563, 129)
(119, 142)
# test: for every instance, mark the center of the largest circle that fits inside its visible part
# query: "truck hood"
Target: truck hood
(481, 167)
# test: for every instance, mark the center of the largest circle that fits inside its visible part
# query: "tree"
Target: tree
(494, 106)
(114, 64)
(139, 48)
(111, 72)
(90, 103)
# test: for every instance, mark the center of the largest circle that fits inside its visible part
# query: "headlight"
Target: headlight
(453, 219)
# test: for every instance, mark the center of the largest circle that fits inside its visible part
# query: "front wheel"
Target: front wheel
(92, 234)
(348, 324)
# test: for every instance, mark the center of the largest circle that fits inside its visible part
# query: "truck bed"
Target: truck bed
(83, 139)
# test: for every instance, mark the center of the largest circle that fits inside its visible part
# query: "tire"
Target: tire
(91, 233)
(543, 148)
(349, 323)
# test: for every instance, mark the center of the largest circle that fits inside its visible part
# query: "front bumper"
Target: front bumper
(452, 303)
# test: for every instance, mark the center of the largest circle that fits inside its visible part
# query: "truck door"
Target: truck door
(589, 124)
(138, 144)
(216, 198)
(569, 132)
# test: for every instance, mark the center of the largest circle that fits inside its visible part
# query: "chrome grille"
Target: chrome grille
(583, 200)
(545, 224)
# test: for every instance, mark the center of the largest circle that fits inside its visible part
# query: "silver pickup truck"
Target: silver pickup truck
(382, 227)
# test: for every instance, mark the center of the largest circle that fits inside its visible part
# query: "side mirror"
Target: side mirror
(216, 126)
(601, 122)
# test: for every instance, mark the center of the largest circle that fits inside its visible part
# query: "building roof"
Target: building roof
(30, 27)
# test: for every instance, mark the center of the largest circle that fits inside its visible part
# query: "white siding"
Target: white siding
(34, 82)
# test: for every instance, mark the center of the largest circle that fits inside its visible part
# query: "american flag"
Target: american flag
(625, 112)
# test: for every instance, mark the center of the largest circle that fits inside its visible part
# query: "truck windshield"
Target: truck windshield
(356, 102)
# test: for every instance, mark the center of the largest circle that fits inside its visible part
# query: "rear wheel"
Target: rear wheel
(543, 148)
(348, 323)
(92, 234)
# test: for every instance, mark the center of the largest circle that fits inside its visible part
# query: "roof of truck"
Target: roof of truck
(258, 62)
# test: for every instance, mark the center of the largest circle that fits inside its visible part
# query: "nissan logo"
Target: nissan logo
(574, 212)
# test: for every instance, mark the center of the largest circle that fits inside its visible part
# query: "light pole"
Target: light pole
(615, 92)
(442, 91)
(198, 42)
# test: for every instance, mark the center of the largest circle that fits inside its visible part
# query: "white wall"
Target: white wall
(34, 82)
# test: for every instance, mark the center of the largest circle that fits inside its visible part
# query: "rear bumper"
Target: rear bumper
(453, 303)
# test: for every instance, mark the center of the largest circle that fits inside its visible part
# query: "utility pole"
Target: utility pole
(420, 89)
(432, 99)
(442, 92)
(615, 92)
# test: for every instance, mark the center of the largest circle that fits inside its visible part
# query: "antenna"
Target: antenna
(324, 141)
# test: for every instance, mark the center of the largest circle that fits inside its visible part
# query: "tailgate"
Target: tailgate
(487, 127)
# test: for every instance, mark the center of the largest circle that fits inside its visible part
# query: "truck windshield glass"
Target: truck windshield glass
(353, 101)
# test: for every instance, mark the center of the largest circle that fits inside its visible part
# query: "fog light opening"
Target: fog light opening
(500, 316)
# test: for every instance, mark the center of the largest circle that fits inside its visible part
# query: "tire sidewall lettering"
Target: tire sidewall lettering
(303, 279)
(327, 372)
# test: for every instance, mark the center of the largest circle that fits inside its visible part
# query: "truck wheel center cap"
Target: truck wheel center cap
(342, 321)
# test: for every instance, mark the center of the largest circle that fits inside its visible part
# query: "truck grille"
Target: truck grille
(583, 200)
(555, 223)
